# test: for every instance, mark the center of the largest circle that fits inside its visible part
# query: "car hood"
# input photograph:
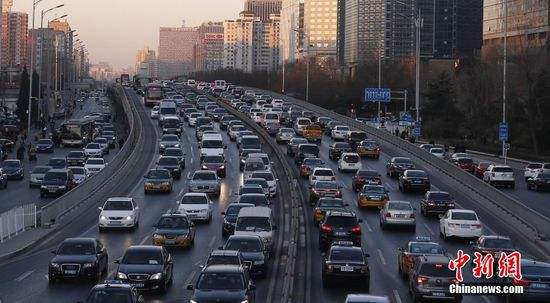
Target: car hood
(221, 296)
(203, 182)
(11, 170)
(171, 231)
(43, 145)
(169, 167)
(74, 259)
(140, 268)
(169, 143)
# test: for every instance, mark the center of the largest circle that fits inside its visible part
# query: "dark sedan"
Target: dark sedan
(252, 250)
(79, 258)
(176, 152)
(174, 230)
(44, 146)
(223, 283)
(216, 163)
(540, 182)
(494, 245)
(171, 164)
(414, 180)
(365, 176)
(436, 202)
(535, 281)
(346, 263)
(146, 267)
(397, 165)
(13, 169)
(76, 158)
(336, 149)
(58, 163)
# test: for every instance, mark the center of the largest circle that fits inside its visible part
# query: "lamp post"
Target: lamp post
(34, 4)
(505, 61)
(307, 61)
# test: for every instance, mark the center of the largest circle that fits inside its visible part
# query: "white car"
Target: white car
(340, 132)
(277, 103)
(104, 143)
(257, 117)
(499, 175)
(460, 223)
(94, 165)
(93, 150)
(269, 178)
(349, 162)
(531, 170)
(438, 152)
(197, 206)
(321, 174)
(119, 212)
(398, 213)
(301, 124)
(79, 173)
(193, 119)
(155, 112)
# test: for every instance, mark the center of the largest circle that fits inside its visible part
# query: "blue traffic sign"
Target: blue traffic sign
(377, 95)
(416, 130)
(406, 117)
(503, 131)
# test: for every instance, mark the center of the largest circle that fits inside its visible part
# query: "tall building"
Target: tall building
(175, 52)
(209, 48)
(320, 27)
(146, 63)
(144, 54)
(14, 39)
(263, 8)
(267, 56)
(290, 30)
(528, 23)
(6, 5)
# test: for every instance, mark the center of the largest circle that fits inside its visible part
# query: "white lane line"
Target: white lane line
(390, 186)
(382, 259)
(24, 275)
(211, 244)
(144, 239)
(429, 229)
(188, 174)
(367, 225)
(190, 278)
(396, 295)
(46, 277)
(485, 299)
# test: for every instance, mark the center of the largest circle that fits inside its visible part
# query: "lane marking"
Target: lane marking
(24, 275)
(367, 225)
(428, 228)
(190, 278)
(211, 244)
(390, 186)
(382, 259)
(144, 239)
(396, 295)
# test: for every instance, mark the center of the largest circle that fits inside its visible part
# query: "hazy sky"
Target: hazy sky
(114, 29)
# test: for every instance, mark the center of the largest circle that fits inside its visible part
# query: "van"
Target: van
(270, 118)
(212, 145)
(167, 108)
(256, 221)
(301, 124)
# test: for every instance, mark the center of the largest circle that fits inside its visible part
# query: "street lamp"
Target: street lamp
(505, 61)
(44, 12)
(307, 61)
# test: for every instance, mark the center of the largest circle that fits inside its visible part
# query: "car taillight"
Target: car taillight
(356, 229)
(421, 280)
(520, 282)
(412, 216)
(388, 215)
(333, 178)
(329, 268)
(339, 193)
(408, 259)
(476, 225)
(364, 269)
(326, 228)
(431, 203)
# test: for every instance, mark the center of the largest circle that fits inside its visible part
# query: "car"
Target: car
(541, 181)
(455, 156)
(93, 150)
(420, 246)
(147, 267)
(44, 146)
(104, 143)
(322, 189)
(114, 290)
(531, 170)
(57, 182)
(251, 165)
(94, 165)
(368, 148)
(355, 137)
(234, 129)
(13, 169)
(171, 125)
(398, 213)
(37, 175)
(216, 163)
(110, 136)
(272, 128)
(76, 158)
(225, 119)
(313, 133)
(223, 283)
(306, 150)
(230, 217)
(7, 145)
(79, 174)
(192, 118)
(329, 126)
(321, 174)
(268, 176)
(253, 252)
(205, 181)
(365, 176)
(250, 142)
(460, 223)
(225, 257)
(158, 180)
(172, 164)
(500, 175)
(339, 226)
(326, 204)
(284, 135)
(293, 144)
(263, 156)
(167, 141)
(438, 152)
(345, 263)
(427, 147)
(301, 124)
(57, 162)
(492, 244)
(414, 179)
(243, 155)
(363, 298)
(78, 258)
(197, 206)
(349, 162)
(178, 153)
(255, 199)
(308, 165)
(155, 112)
(201, 130)
(340, 132)
(372, 196)
(250, 188)
(397, 165)
(258, 221)
(480, 169)
(336, 149)
(534, 280)
(430, 277)
(465, 163)
(436, 202)
(119, 212)
(174, 230)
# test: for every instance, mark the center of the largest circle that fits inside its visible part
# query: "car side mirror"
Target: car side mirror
(117, 261)
(190, 287)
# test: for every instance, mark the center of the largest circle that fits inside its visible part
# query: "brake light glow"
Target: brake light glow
(356, 229)
(421, 279)
(329, 268)
(326, 228)
(333, 178)
(364, 269)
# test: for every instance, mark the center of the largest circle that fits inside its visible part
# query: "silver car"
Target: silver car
(37, 175)
(205, 181)
(168, 141)
(285, 134)
(79, 173)
(398, 213)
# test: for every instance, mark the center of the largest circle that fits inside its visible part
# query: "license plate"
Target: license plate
(52, 190)
(139, 285)
(346, 268)
(538, 285)
(340, 233)
(438, 294)
(70, 272)
(375, 198)
(115, 222)
(400, 216)
(464, 226)
(417, 181)
(169, 242)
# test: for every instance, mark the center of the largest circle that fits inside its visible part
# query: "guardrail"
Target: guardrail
(290, 191)
(54, 211)
(16, 220)
(518, 219)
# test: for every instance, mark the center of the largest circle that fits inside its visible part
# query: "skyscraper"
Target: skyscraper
(14, 39)
(208, 53)
(175, 53)
(6, 5)
(320, 27)
(263, 8)
(290, 28)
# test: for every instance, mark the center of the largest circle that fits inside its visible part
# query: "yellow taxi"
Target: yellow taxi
(372, 196)
(418, 247)
(326, 204)
(175, 230)
(368, 148)
(158, 180)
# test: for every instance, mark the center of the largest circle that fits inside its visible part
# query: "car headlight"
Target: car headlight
(102, 218)
(166, 183)
(245, 301)
(157, 236)
(88, 265)
(129, 218)
(54, 265)
(193, 301)
(260, 262)
(222, 167)
(156, 276)
(162, 146)
(177, 145)
(121, 275)
(204, 210)
(204, 167)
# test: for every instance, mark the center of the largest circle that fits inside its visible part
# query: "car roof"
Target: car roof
(462, 211)
(144, 248)
(120, 199)
(196, 194)
(434, 259)
(79, 240)
(360, 298)
(58, 170)
(220, 252)
(256, 211)
(244, 237)
(340, 213)
(223, 268)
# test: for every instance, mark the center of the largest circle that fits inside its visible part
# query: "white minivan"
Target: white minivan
(270, 118)
(256, 221)
(212, 145)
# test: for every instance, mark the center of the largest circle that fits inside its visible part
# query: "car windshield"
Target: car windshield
(326, 185)
(324, 172)
(110, 295)
(253, 224)
(176, 222)
(93, 146)
(250, 142)
(78, 170)
(58, 177)
(244, 245)
(213, 159)
(367, 173)
(44, 141)
(257, 200)
(399, 206)
(464, 216)
(254, 165)
(465, 161)
(498, 243)
(41, 169)
(426, 248)
(436, 270)
(313, 162)
(95, 161)
(357, 136)
(144, 257)
(440, 196)
(220, 281)
(341, 221)
(342, 128)
(206, 176)
(286, 130)
(76, 249)
(502, 170)
(342, 146)
(171, 138)
(118, 205)
(173, 152)
(376, 189)
(212, 144)
(252, 190)
(221, 259)
(352, 255)
(416, 174)
(192, 199)
(351, 159)
(168, 161)
(535, 271)
(309, 149)
(337, 203)
(264, 175)
(57, 162)
(297, 141)
(158, 174)
(534, 166)
(75, 154)
(437, 150)
(233, 210)
(369, 143)
(402, 160)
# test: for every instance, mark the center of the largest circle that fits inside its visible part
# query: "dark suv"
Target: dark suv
(76, 158)
(223, 283)
(436, 202)
(306, 151)
(336, 149)
(345, 262)
(146, 267)
(339, 226)
(57, 182)
(172, 164)
(397, 165)
(78, 258)
(412, 179)
(430, 278)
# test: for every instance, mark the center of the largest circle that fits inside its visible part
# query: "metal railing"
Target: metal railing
(16, 220)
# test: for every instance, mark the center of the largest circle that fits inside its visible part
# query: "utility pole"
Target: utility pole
(505, 61)
(418, 22)
(379, 77)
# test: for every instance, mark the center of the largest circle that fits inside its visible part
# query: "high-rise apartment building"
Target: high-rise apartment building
(175, 52)
(209, 48)
(267, 56)
(528, 23)
(290, 30)
(320, 27)
(146, 63)
(6, 5)
(14, 39)
(263, 8)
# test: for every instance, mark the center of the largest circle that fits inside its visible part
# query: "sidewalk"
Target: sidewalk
(11, 247)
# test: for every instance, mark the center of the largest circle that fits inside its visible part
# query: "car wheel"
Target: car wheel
(101, 229)
(163, 288)
(325, 283)
(444, 235)
(51, 280)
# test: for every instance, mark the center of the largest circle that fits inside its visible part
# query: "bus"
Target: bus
(153, 94)
(77, 132)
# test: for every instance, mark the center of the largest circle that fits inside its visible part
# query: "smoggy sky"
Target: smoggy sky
(113, 30)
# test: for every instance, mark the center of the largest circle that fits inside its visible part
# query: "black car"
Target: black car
(397, 165)
(176, 152)
(146, 267)
(230, 217)
(114, 291)
(13, 169)
(306, 150)
(535, 282)
(416, 180)
(492, 244)
(252, 250)
(339, 226)
(175, 230)
(336, 149)
(57, 162)
(7, 145)
(44, 146)
(346, 263)
(76, 158)
(223, 283)
(225, 257)
(430, 277)
(539, 182)
(329, 126)
(172, 164)
(110, 136)
(79, 258)
(354, 137)
(224, 121)
(57, 182)
(436, 202)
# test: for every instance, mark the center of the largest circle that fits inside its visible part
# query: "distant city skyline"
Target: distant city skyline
(115, 40)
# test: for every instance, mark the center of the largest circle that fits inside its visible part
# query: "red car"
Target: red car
(466, 164)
